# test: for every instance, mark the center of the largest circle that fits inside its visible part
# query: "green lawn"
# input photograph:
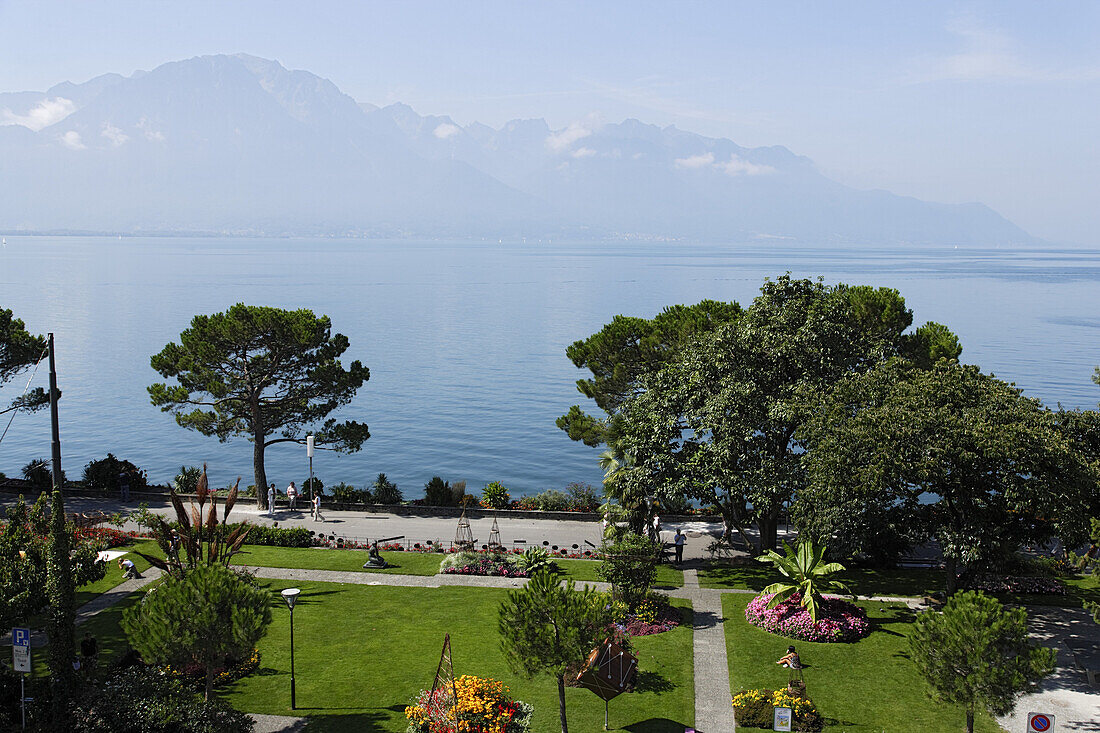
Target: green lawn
(911, 582)
(867, 686)
(403, 563)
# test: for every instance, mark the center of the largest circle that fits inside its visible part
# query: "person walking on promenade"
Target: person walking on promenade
(292, 496)
(124, 485)
(271, 500)
(317, 506)
(679, 539)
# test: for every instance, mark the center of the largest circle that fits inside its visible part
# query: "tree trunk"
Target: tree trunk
(209, 681)
(970, 718)
(259, 474)
(769, 530)
(952, 580)
(561, 703)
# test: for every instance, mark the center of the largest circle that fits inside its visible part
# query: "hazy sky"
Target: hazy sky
(996, 102)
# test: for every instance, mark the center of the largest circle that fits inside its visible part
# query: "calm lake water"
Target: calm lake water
(466, 342)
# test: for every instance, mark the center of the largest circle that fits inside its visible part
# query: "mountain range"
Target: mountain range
(240, 145)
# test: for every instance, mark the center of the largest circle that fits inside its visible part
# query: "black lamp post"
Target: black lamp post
(290, 595)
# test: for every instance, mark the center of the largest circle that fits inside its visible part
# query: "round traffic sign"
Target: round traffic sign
(1040, 722)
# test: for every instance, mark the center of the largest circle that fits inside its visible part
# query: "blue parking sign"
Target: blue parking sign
(21, 637)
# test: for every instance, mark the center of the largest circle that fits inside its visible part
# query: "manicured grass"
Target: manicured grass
(586, 570)
(363, 652)
(870, 685)
(402, 563)
(912, 582)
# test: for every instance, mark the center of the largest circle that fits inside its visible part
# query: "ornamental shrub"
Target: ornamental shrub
(40, 475)
(102, 475)
(346, 494)
(437, 492)
(476, 563)
(553, 500)
(313, 484)
(630, 565)
(495, 496)
(148, 700)
(755, 709)
(837, 619)
(583, 497)
(187, 480)
(386, 491)
(262, 534)
(484, 706)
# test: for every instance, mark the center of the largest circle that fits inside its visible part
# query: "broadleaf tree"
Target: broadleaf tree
(266, 373)
(719, 423)
(20, 350)
(958, 455)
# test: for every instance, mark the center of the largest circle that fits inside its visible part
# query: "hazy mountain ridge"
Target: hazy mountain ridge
(240, 144)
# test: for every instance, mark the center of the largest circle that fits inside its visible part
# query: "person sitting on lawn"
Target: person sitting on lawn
(791, 661)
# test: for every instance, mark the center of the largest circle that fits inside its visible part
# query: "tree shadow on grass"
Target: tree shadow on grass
(649, 681)
(833, 722)
(893, 615)
(358, 722)
(655, 725)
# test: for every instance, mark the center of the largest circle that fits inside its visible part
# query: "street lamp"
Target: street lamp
(290, 595)
(309, 453)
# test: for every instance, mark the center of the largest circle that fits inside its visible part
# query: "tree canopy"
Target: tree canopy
(977, 654)
(719, 422)
(624, 351)
(203, 617)
(20, 350)
(953, 453)
(266, 373)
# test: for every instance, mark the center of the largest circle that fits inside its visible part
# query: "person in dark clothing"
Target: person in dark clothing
(124, 486)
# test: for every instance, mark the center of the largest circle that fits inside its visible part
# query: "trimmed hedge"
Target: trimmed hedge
(261, 534)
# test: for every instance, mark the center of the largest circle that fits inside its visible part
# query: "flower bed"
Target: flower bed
(1036, 584)
(484, 706)
(755, 709)
(838, 620)
(194, 673)
(468, 563)
(104, 537)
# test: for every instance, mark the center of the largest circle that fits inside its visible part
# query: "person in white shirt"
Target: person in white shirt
(317, 506)
(292, 495)
(271, 500)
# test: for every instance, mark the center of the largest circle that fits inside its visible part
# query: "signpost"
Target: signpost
(21, 662)
(309, 452)
(1040, 723)
(781, 719)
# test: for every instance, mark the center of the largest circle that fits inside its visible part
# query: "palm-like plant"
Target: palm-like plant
(806, 574)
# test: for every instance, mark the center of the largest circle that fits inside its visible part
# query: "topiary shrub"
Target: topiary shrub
(630, 565)
(495, 496)
(262, 534)
(386, 491)
(102, 475)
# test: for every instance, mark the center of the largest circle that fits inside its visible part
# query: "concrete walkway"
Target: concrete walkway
(713, 711)
(115, 595)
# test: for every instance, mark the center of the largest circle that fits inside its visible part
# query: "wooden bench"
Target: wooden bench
(1086, 658)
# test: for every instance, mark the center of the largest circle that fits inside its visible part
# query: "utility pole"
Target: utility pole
(55, 433)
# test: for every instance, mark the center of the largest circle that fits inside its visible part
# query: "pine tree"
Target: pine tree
(976, 653)
(208, 614)
(546, 626)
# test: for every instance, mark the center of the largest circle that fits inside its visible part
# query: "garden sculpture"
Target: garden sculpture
(464, 538)
(609, 671)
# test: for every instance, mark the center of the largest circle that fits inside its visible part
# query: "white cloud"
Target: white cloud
(46, 113)
(695, 161)
(150, 134)
(562, 140)
(445, 130)
(583, 153)
(988, 54)
(741, 167)
(114, 134)
(72, 141)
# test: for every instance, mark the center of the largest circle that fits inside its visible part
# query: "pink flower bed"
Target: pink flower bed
(633, 626)
(837, 620)
(485, 566)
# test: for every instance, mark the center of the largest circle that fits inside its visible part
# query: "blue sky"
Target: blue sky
(996, 102)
